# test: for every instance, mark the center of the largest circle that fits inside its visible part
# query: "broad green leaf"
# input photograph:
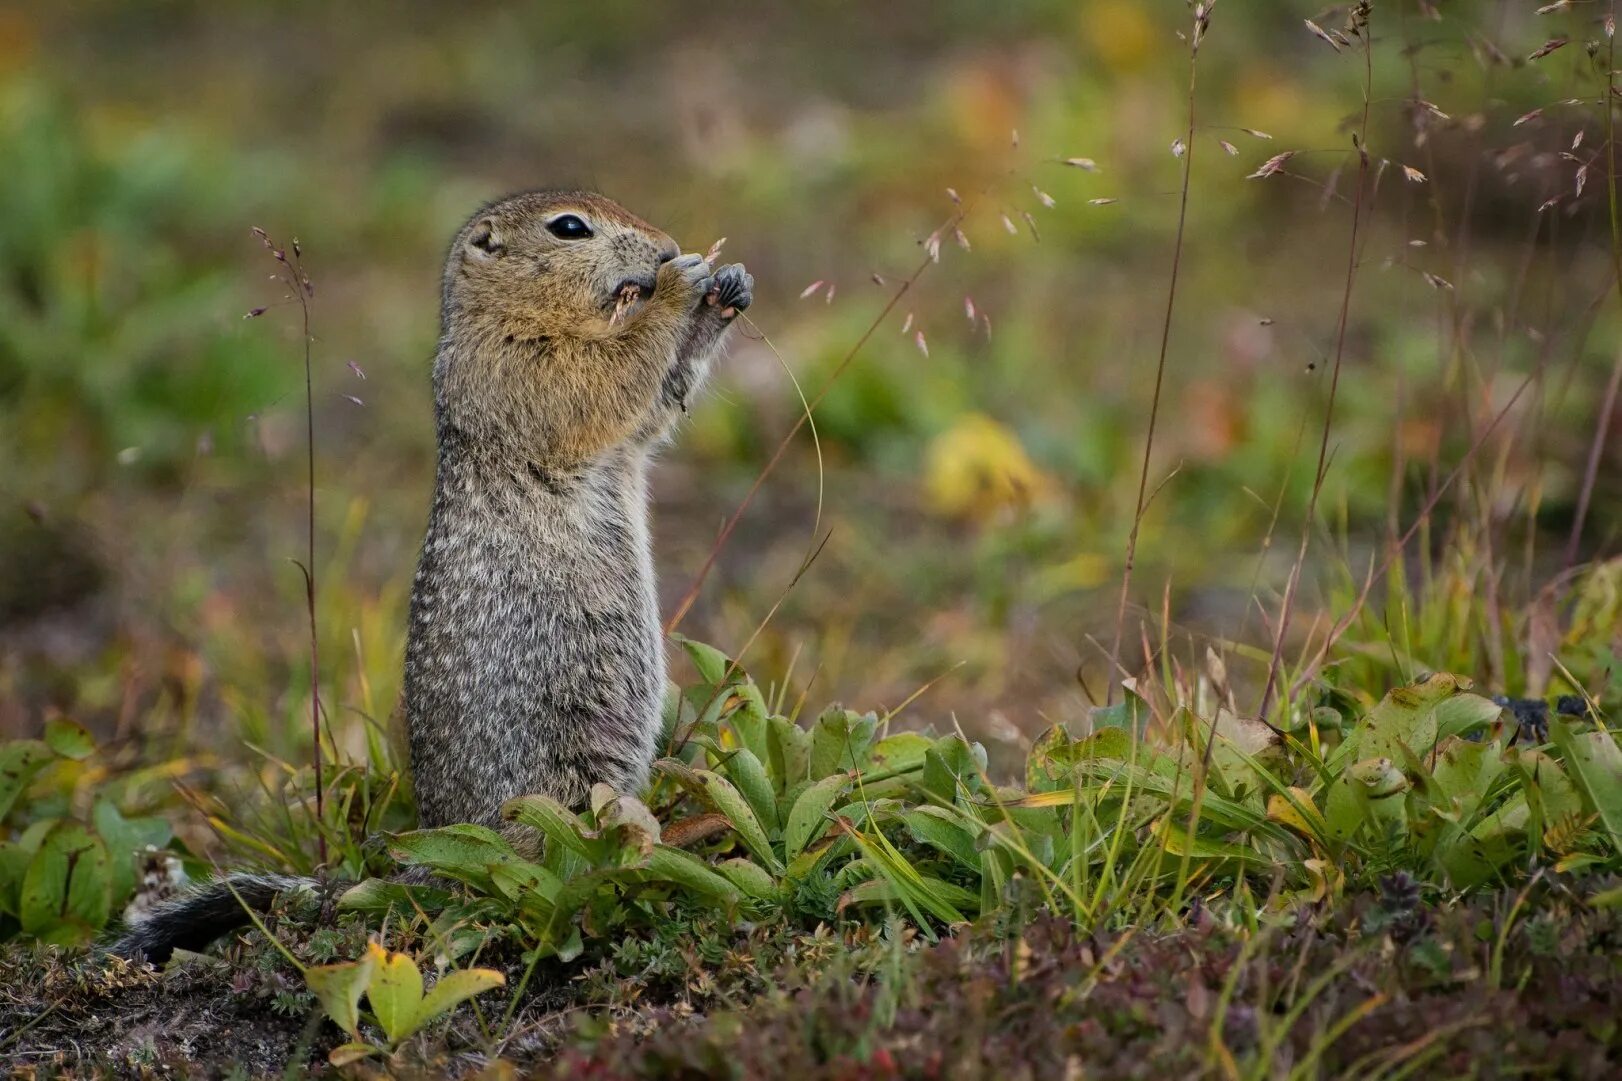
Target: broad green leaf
(808, 818)
(840, 741)
(1127, 715)
(395, 992)
(338, 988)
(749, 720)
(895, 755)
(1365, 790)
(727, 800)
(127, 840)
(788, 749)
(668, 864)
(711, 663)
(1595, 762)
(750, 878)
(745, 771)
(551, 819)
(19, 761)
(379, 895)
(66, 893)
(1406, 715)
(1465, 773)
(455, 987)
(1105, 743)
(14, 861)
(463, 851)
(1551, 796)
(951, 766)
(943, 830)
(521, 880)
(1464, 713)
(69, 738)
(1050, 760)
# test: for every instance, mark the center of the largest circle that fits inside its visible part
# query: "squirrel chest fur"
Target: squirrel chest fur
(573, 335)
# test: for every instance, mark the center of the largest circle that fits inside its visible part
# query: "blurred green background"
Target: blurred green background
(977, 498)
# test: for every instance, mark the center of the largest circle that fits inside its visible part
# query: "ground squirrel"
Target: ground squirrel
(573, 334)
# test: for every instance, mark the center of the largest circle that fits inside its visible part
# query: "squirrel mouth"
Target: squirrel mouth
(626, 294)
(635, 288)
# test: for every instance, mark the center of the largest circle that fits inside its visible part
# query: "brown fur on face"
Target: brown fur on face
(508, 273)
(535, 365)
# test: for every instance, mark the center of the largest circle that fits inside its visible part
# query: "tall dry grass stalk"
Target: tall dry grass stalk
(290, 272)
(1357, 25)
(1602, 425)
(1202, 22)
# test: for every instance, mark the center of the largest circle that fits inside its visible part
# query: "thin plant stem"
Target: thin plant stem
(1294, 581)
(1202, 17)
(697, 585)
(1602, 425)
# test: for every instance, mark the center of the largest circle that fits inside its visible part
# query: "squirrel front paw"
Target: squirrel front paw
(688, 277)
(731, 290)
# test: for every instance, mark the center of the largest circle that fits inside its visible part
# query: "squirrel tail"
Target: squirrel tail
(199, 916)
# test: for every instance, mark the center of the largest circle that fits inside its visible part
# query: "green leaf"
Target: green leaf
(953, 764)
(788, 748)
(943, 830)
(19, 761)
(945, 899)
(338, 988)
(668, 864)
(1365, 790)
(551, 819)
(1408, 715)
(840, 741)
(808, 818)
(751, 878)
(465, 852)
(1464, 713)
(68, 738)
(14, 861)
(395, 992)
(453, 988)
(525, 882)
(1595, 762)
(127, 840)
(1127, 715)
(894, 755)
(745, 770)
(65, 895)
(711, 663)
(1050, 760)
(727, 800)
(379, 896)
(1465, 773)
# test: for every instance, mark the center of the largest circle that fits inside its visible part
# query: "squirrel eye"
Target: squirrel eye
(568, 227)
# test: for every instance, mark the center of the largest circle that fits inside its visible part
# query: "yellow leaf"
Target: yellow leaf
(395, 992)
(455, 987)
(978, 467)
(346, 1053)
(338, 988)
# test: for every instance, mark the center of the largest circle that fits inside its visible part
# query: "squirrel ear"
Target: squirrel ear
(484, 241)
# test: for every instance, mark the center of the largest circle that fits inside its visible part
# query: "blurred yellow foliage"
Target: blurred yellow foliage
(978, 467)
(1121, 33)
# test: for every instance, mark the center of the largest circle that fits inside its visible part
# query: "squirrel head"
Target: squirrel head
(550, 264)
